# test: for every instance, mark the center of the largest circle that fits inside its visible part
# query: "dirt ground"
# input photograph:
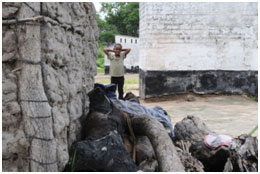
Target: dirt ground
(226, 114)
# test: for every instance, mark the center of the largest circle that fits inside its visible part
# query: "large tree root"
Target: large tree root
(108, 144)
(240, 156)
(165, 151)
(106, 154)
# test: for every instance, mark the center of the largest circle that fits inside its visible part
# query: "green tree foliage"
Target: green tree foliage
(106, 32)
(124, 16)
(100, 58)
(120, 18)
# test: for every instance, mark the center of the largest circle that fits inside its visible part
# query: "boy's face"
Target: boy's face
(117, 50)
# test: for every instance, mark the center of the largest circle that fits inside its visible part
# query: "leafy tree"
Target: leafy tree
(123, 15)
(131, 20)
(106, 31)
(121, 18)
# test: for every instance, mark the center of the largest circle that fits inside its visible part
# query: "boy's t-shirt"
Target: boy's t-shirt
(116, 64)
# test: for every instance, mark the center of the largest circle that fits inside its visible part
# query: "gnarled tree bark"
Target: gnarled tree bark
(103, 149)
(240, 156)
(165, 151)
(36, 110)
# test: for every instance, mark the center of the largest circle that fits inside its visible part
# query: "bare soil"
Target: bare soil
(226, 114)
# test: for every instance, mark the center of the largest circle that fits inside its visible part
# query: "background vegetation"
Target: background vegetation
(120, 18)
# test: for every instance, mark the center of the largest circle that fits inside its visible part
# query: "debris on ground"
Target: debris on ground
(119, 141)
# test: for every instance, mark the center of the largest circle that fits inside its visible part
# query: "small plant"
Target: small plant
(253, 131)
(100, 63)
(100, 58)
(254, 98)
(101, 70)
(132, 81)
(73, 160)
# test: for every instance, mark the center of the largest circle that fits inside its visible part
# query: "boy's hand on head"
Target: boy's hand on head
(127, 50)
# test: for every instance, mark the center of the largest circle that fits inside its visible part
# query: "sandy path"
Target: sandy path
(227, 114)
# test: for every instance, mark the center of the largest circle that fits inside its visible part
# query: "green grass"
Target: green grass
(100, 58)
(100, 62)
(100, 70)
(107, 80)
(129, 87)
(254, 98)
(253, 131)
(103, 81)
(73, 161)
(131, 81)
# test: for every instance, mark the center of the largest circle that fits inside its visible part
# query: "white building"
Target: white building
(132, 60)
(198, 47)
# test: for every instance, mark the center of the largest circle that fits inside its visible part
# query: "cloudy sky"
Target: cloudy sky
(97, 6)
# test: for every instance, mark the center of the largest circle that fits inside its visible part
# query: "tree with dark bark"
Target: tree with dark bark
(110, 145)
(240, 156)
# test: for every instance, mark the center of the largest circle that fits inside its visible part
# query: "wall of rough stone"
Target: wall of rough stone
(192, 36)
(66, 45)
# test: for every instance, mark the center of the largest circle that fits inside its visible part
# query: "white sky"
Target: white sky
(97, 6)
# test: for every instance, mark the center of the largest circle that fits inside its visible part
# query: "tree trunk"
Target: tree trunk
(103, 149)
(106, 128)
(165, 151)
(240, 156)
(105, 154)
(36, 110)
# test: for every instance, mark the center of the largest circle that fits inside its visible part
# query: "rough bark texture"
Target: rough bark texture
(243, 155)
(190, 163)
(108, 146)
(165, 151)
(106, 154)
(191, 129)
(240, 156)
(44, 101)
(144, 149)
(103, 149)
(36, 111)
(103, 120)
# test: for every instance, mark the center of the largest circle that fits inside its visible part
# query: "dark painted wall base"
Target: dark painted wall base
(134, 69)
(106, 69)
(156, 83)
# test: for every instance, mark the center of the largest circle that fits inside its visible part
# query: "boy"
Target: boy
(117, 70)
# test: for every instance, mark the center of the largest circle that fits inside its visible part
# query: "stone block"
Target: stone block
(12, 108)
(9, 12)
(61, 119)
(9, 45)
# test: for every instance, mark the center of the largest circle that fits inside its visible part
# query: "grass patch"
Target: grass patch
(129, 87)
(103, 81)
(100, 70)
(132, 81)
(254, 98)
(73, 161)
(100, 62)
(253, 131)
(100, 58)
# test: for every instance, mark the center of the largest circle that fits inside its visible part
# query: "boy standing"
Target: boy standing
(117, 70)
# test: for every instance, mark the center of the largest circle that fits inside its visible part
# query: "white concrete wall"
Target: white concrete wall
(132, 58)
(198, 36)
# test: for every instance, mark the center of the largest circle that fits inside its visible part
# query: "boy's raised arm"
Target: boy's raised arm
(126, 50)
(106, 51)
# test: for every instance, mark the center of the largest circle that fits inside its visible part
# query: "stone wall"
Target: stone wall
(207, 37)
(48, 68)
